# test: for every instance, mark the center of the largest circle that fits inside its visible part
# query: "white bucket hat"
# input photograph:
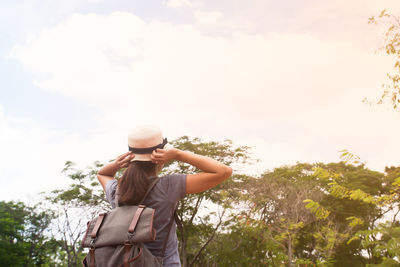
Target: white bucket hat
(143, 140)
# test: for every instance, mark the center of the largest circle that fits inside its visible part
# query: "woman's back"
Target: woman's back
(163, 198)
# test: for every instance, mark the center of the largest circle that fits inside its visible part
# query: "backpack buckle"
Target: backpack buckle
(130, 237)
(92, 243)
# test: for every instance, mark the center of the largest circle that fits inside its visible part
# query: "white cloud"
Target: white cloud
(298, 97)
(329, 20)
(57, 5)
(207, 18)
(27, 165)
(33, 155)
(126, 66)
(176, 3)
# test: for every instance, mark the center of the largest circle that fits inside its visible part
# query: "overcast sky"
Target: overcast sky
(285, 77)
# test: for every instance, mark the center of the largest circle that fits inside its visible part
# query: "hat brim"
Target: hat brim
(146, 157)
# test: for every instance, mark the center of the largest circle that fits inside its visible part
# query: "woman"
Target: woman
(148, 153)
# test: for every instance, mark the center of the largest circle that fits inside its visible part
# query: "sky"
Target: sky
(286, 78)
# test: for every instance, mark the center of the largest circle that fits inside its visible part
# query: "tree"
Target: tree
(357, 200)
(73, 207)
(200, 226)
(391, 47)
(23, 238)
(382, 240)
(304, 215)
(276, 208)
(349, 191)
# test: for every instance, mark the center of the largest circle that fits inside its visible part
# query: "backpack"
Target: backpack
(116, 238)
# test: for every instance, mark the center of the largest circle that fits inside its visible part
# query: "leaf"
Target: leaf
(352, 239)
(319, 212)
(354, 221)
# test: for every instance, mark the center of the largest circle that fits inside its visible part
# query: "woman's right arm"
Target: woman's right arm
(213, 172)
(107, 172)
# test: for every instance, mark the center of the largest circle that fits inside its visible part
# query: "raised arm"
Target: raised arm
(108, 171)
(213, 172)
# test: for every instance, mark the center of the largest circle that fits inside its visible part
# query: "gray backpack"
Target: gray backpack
(116, 238)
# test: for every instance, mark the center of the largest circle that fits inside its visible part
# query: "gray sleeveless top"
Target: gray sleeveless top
(163, 198)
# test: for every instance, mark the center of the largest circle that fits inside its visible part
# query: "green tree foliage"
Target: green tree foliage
(23, 238)
(306, 214)
(382, 240)
(358, 200)
(275, 201)
(246, 242)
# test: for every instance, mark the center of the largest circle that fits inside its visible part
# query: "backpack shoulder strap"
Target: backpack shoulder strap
(151, 186)
(178, 221)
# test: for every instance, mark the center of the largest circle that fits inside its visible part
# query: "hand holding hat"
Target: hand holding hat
(164, 155)
(123, 160)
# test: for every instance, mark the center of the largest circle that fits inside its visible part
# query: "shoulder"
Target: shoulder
(173, 177)
(174, 185)
(111, 185)
(110, 190)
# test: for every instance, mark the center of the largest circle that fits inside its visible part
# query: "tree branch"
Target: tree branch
(209, 240)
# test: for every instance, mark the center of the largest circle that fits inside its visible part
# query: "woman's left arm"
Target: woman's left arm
(108, 171)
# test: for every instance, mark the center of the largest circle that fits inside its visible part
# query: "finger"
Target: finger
(125, 154)
(127, 161)
(125, 165)
(159, 151)
(124, 161)
(156, 156)
(129, 158)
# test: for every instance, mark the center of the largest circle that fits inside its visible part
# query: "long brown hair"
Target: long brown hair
(134, 182)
